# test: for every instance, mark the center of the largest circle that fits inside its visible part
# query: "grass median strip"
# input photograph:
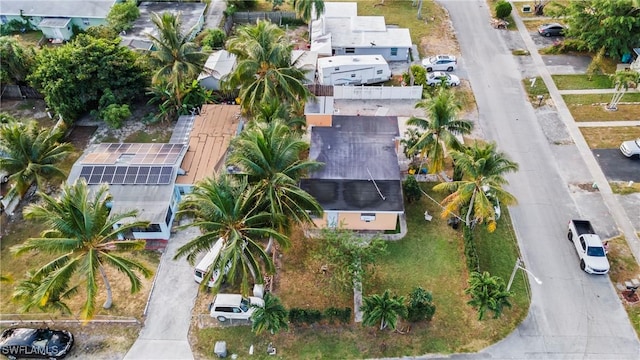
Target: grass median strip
(608, 137)
(580, 82)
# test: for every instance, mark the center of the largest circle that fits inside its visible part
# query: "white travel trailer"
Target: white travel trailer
(206, 262)
(353, 70)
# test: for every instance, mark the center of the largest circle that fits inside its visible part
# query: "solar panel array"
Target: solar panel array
(127, 175)
(142, 154)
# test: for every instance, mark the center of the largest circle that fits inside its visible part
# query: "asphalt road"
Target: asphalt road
(573, 315)
(616, 166)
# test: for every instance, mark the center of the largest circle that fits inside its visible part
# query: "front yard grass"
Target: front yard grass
(591, 107)
(430, 256)
(539, 88)
(624, 267)
(581, 81)
(609, 137)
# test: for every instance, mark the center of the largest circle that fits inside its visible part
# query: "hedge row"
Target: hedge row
(310, 316)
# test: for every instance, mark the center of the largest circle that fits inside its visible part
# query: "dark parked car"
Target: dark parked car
(35, 343)
(553, 29)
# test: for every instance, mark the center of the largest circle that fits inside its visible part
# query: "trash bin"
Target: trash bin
(220, 349)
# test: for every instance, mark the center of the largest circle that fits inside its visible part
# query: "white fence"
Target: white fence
(377, 92)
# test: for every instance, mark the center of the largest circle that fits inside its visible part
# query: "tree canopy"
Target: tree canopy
(612, 24)
(16, 60)
(74, 77)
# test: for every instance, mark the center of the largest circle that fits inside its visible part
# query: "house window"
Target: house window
(150, 228)
(336, 69)
(167, 219)
(368, 217)
(353, 75)
(394, 51)
(350, 50)
(379, 72)
(85, 21)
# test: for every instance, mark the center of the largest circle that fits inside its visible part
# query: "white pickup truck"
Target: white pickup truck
(591, 251)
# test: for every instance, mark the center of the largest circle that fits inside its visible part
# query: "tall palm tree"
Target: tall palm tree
(483, 170)
(383, 309)
(272, 316)
(226, 209)
(83, 232)
(275, 110)
(264, 70)
(440, 128)
(271, 157)
(305, 9)
(31, 154)
(175, 55)
(487, 293)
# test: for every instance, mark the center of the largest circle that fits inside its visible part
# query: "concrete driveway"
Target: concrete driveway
(616, 166)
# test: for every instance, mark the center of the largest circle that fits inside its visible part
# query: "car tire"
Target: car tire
(4, 179)
(429, 69)
(450, 69)
(582, 265)
(547, 34)
(570, 236)
(222, 318)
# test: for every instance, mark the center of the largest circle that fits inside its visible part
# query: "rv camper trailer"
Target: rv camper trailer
(353, 70)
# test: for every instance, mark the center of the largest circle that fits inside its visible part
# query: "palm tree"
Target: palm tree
(275, 110)
(271, 157)
(31, 154)
(264, 70)
(305, 9)
(272, 316)
(483, 170)
(383, 309)
(228, 210)
(487, 293)
(175, 55)
(26, 293)
(84, 235)
(440, 129)
(623, 80)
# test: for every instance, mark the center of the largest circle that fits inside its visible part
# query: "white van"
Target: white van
(234, 307)
(204, 264)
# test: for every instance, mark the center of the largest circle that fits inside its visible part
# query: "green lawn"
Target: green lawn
(588, 99)
(431, 256)
(539, 88)
(578, 82)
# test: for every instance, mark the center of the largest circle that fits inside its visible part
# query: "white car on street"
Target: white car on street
(437, 77)
(631, 148)
(440, 63)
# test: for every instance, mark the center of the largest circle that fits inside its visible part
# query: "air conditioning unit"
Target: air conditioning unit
(368, 217)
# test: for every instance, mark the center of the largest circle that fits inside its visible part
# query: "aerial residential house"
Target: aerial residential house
(191, 13)
(360, 185)
(152, 177)
(219, 64)
(56, 19)
(340, 31)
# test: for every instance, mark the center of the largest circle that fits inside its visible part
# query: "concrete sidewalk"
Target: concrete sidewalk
(607, 123)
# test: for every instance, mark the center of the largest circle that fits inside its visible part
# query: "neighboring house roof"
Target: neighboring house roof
(140, 176)
(60, 8)
(190, 14)
(340, 9)
(306, 61)
(358, 153)
(366, 31)
(209, 140)
(219, 64)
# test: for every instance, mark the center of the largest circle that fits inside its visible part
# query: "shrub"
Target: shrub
(503, 9)
(308, 316)
(411, 189)
(419, 75)
(473, 264)
(114, 115)
(213, 38)
(342, 315)
(421, 305)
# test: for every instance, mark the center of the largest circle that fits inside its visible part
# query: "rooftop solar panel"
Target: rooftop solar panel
(122, 175)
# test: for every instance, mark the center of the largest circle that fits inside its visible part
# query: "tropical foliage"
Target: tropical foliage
(383, 309)
(421, 305)
(122, 15)
(227, 209)
(306, 9)
(83, 233)
(74, 77)
(440, 128)
(623, 80)
(487, 293)
(594, 21)
(483, 170)
(265, 69)
(16, 60)
(272, 316)
(31, 154)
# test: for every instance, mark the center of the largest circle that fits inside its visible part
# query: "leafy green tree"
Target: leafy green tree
(411, 189)
(483, 171)
(114, 115)
(122, 15)
(487, 293)
(31, 154)
(440, 128)
(503, 9)
(16, 60)
(594, 21)
(351, 257)
(213, 38)
(73, 77)
(83, 232)
(225, 209)
(264, 70)
(275, 4)
(272, 317)
(623, 80)
(175, 57)
(385, 309)
(421, 305)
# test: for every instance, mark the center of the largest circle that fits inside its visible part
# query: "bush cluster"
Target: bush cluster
(473, 264)
(311, 316)
(503, 9)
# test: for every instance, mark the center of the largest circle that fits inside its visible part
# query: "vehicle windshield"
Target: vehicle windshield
(244, 304)
(597, 251)
(433, 59)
